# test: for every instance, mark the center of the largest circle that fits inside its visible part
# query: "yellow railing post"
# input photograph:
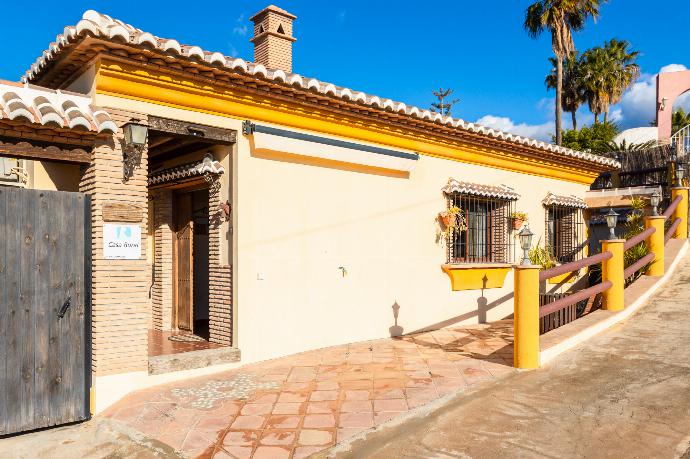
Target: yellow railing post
(681, 212)
(655, 244)
(612, 270)
(526, 317)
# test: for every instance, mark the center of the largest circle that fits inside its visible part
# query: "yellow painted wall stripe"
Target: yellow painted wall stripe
(140, 84)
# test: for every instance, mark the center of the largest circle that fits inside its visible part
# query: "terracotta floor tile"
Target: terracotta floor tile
(319, 421)
(288, 408)
(302, 452)
(240, 438)
(265, 398)
(278, 437)
(256, 408)
(291, 397)
(356, 406)
(283, 422)
(239, 452)
(390, 405)
(327, 385)
(271, 452)
(388, 393)
(323, 395)
(357, 395)
(364, 420)
(310, 437)
(321, 407)
(248, 422)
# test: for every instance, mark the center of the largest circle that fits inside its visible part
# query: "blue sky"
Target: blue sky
(401, 50)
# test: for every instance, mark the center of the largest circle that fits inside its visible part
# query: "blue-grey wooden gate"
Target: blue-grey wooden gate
(45, 343)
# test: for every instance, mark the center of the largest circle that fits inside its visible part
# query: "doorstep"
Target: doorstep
(192, 360)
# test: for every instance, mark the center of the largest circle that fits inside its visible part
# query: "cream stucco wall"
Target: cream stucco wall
(295, 225)
(48, 175)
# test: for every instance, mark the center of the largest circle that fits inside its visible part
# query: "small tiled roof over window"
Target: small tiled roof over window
(564, 201)
(103, 27)
(474, 189)
(50, 108)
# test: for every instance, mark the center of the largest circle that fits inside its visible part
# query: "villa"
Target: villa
(241, 212)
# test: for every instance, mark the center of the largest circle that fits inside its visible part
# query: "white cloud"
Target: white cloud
(240, 30)
(534, 131)
(638, 105)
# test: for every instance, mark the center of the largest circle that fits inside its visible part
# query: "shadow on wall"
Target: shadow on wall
(396, 330)
(483, 307)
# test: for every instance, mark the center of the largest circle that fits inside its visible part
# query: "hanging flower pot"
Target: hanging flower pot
(518, 218)
(446, 219)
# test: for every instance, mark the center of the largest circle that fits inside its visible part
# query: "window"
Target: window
(565, 232)
(486, 239)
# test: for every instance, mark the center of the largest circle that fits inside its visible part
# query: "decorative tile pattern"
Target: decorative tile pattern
(239, 388)
(297, 405)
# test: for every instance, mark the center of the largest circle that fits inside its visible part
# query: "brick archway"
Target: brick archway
(669, 86)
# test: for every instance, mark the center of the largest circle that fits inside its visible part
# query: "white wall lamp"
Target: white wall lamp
(136, 136)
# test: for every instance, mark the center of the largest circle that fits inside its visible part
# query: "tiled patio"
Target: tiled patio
(301, 404)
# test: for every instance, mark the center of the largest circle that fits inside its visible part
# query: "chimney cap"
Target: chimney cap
(274, 9)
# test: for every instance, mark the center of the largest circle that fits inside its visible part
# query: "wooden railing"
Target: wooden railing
(528, 311)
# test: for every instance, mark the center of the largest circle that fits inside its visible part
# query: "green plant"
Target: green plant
(519, 215)
(561, 18)
(542, 255)
(595, 138)
(634, 225)
(453, 219)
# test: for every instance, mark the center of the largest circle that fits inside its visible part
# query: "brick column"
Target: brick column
(162, 294)
(120, 287)
(219, 274)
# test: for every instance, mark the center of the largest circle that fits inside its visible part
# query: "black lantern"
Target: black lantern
(654, 201)
(525, 236)
(611, 222)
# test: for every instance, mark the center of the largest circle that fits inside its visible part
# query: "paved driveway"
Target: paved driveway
(624, 394)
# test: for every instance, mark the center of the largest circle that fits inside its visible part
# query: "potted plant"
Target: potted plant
(452, 219)
(518, 217)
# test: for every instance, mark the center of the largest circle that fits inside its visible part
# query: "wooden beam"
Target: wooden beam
(26, 150)
(200, 131)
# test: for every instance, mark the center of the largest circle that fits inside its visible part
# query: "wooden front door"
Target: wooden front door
(184, 233)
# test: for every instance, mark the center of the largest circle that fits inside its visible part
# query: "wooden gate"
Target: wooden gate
(45, 342)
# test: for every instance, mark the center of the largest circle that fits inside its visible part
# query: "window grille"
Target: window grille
(565, 232)
(487, 238)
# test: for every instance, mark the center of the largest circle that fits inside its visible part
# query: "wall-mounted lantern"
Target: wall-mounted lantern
(136, 136)
(525, 236)
(611, 222)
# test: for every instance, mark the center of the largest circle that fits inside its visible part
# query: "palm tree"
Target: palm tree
(607, 72)
(573, 91)
(561, 18)
(626, 71)
(597, 75)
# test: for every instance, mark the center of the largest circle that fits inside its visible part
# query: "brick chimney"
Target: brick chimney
(273, 38)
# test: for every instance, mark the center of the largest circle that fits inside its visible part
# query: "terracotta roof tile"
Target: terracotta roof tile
(105, 27)
(565, 201)
(53, 108)
(487, 191)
